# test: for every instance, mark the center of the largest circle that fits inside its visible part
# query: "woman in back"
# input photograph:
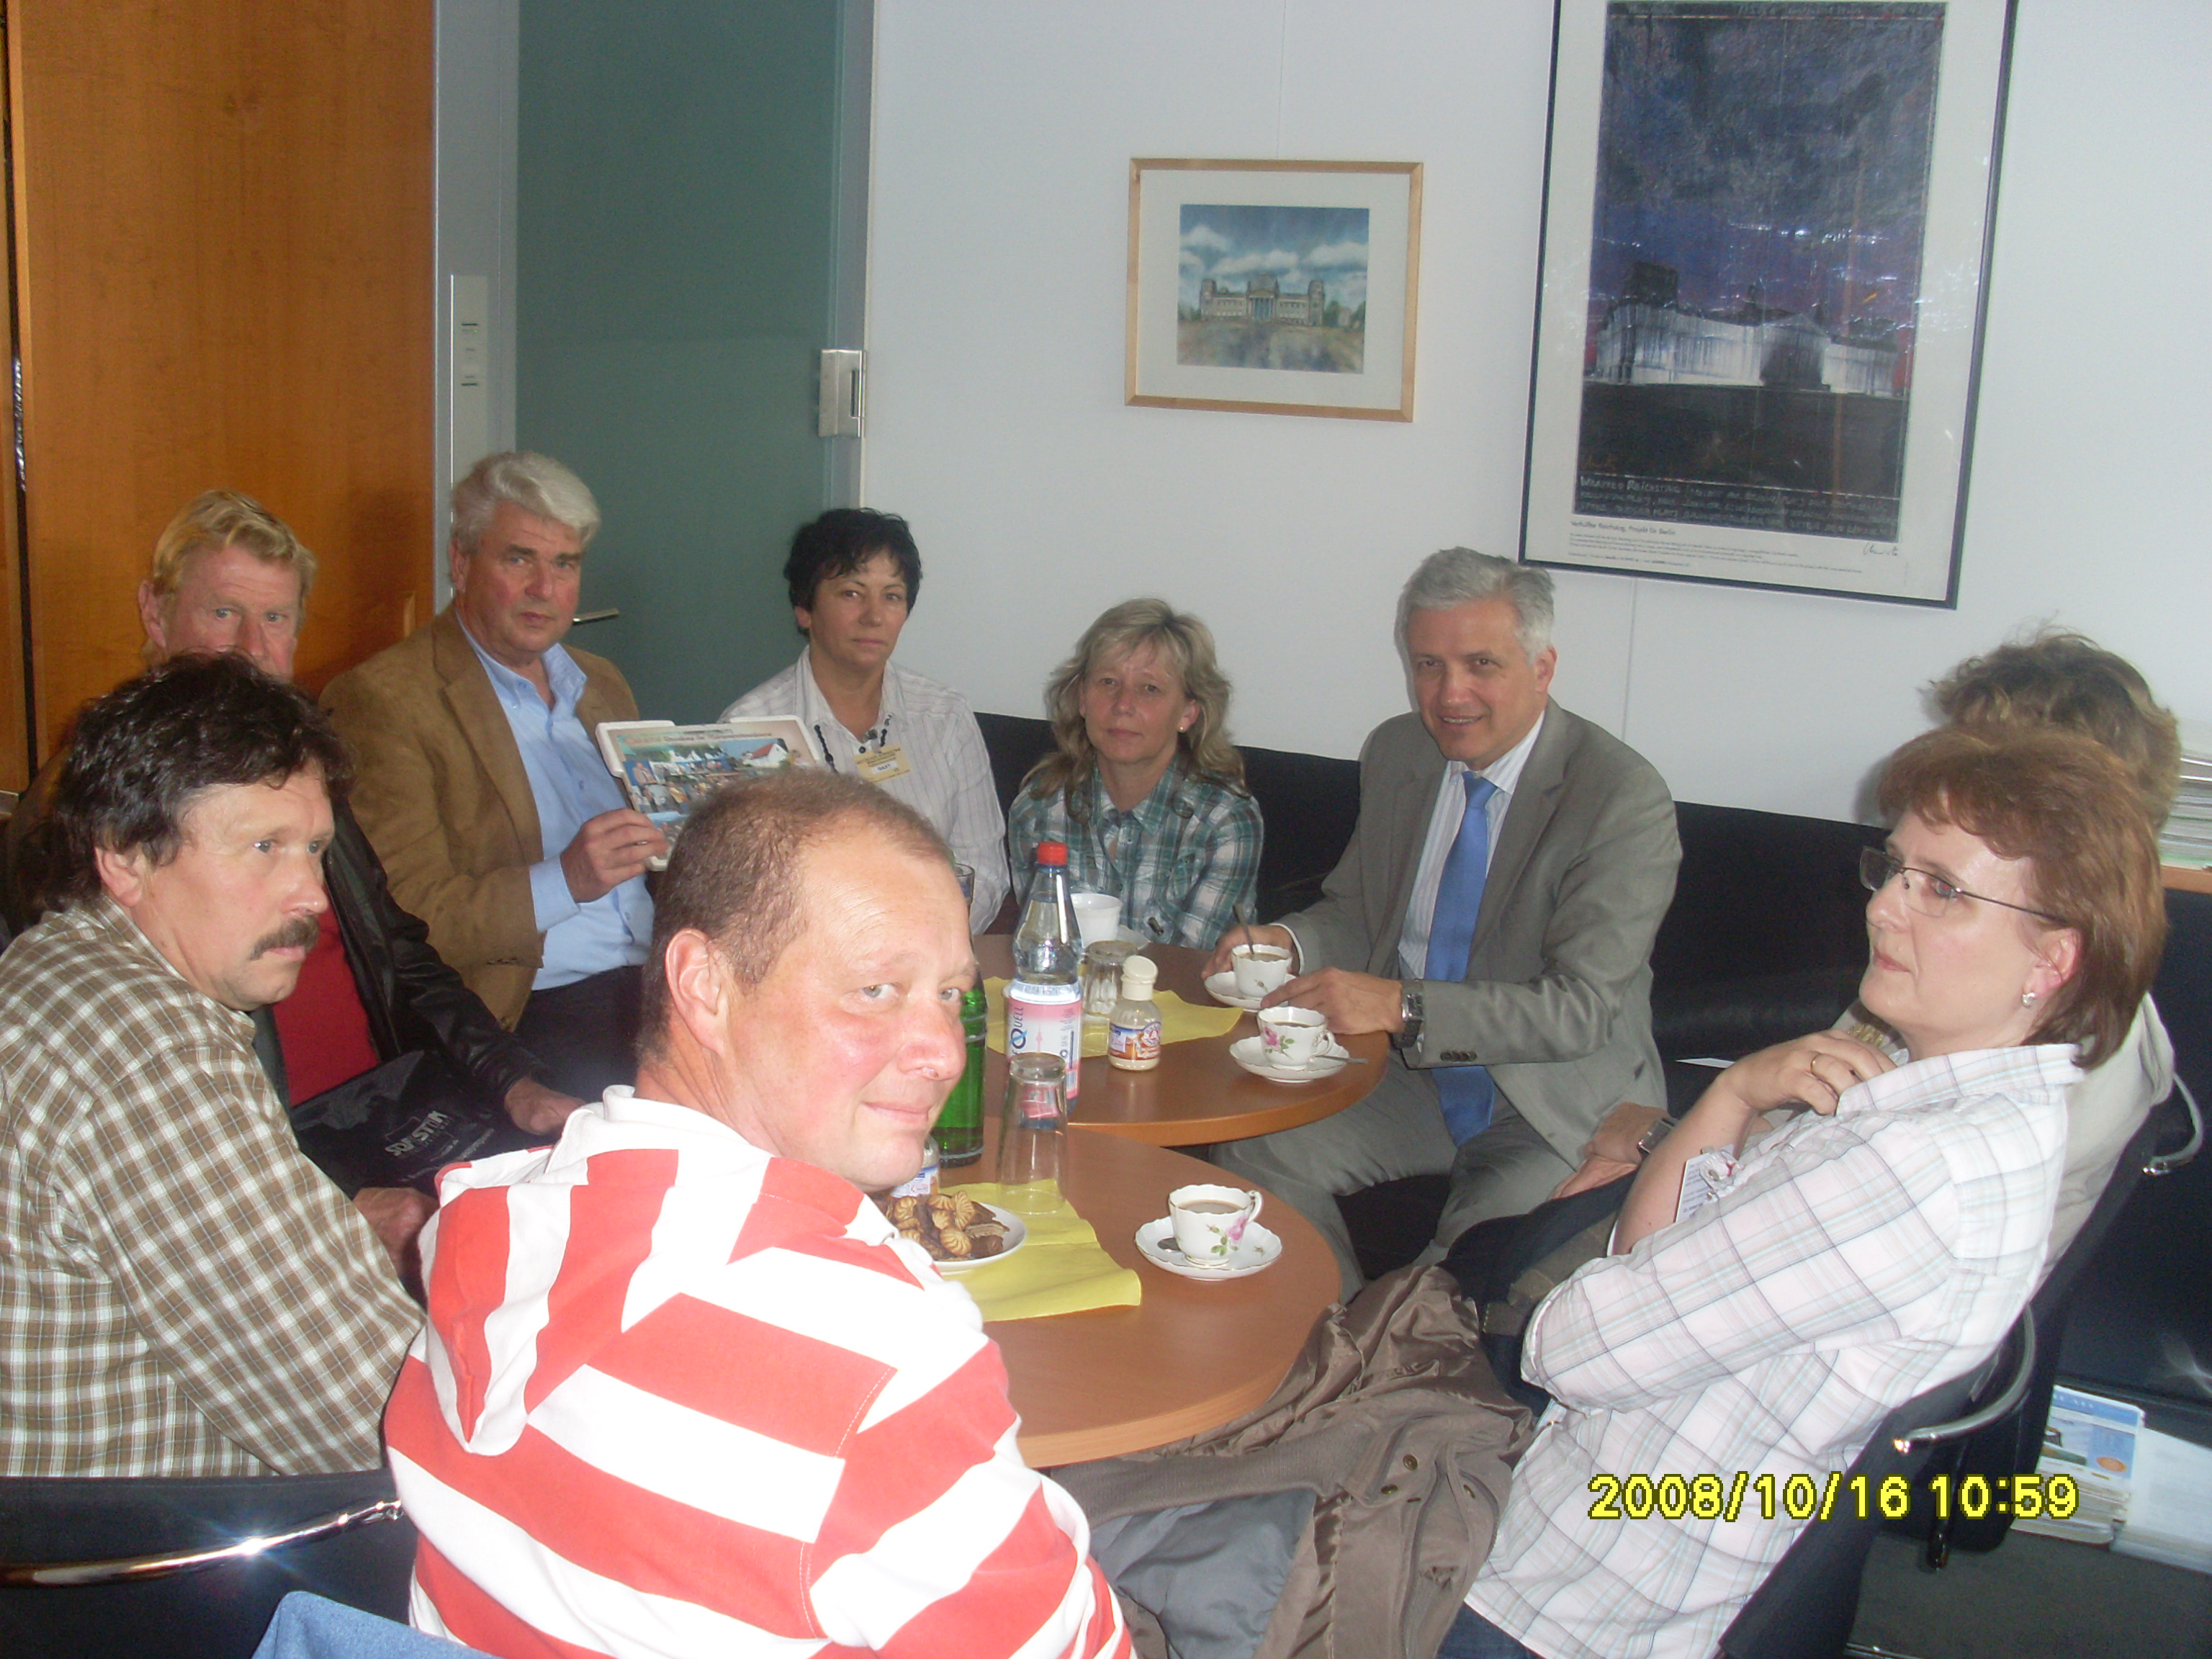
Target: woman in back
(1144, 787)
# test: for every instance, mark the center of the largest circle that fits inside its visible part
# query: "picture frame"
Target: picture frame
(1275, 288)
(1761, 293)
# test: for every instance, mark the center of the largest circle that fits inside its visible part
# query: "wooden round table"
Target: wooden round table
(1198, 1096)
(1191, 1356)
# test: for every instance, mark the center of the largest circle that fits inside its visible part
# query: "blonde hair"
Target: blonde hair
(1185, 645)
(212, 521)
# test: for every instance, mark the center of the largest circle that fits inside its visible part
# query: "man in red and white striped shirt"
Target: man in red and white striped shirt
(683, 1391)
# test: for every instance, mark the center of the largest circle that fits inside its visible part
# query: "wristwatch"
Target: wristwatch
(1652, 1136)
(1408, 1034)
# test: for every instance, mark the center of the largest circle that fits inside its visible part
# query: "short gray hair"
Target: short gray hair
(1460, 576)
(539, 484)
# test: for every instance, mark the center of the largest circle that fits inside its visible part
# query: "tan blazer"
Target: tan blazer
(442, 793)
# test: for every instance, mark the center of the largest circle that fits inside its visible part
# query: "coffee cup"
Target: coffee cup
(1210, 1221)
(1292, 1037)
(1097, 916)
(1258, 968)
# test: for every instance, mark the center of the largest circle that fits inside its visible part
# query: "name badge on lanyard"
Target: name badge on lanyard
(880, 766)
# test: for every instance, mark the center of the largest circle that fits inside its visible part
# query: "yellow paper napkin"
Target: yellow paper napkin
(1061, 1269)
(1179, 1021)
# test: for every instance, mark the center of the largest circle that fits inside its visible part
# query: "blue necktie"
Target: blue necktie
(1466, 1092)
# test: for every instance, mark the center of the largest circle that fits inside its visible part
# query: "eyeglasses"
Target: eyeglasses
(1930, 895)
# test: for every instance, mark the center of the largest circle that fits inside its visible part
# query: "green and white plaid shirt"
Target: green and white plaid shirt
(181, 1292)
(1184, 861)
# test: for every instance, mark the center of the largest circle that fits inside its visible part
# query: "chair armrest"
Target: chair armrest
(134, 1567)
(2006, 1399)
(2168, 1163)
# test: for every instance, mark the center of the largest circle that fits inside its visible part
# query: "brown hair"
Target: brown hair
(212, 521)
(2044, 795)
(734, 875)
(1186, 645)
(145, 752)
(2067, 680)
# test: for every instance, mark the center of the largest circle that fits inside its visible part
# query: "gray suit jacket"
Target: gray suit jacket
(1556, 1001)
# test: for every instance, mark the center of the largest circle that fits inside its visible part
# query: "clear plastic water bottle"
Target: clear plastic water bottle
(1044, 1002)
(924, 1180)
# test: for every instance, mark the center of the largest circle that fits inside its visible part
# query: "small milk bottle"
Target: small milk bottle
(1132, 1036)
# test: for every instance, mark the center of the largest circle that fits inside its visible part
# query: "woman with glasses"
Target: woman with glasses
(1765, 1305)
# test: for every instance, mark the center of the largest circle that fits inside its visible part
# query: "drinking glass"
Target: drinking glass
(1033, 1133)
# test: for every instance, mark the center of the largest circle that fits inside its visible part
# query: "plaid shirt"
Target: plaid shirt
(1852, 1262)
(1184, 862)
(181, 1292)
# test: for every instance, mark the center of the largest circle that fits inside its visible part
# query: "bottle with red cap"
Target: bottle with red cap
(1044, 1002)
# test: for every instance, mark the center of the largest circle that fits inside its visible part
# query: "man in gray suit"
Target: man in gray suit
(1494, 914)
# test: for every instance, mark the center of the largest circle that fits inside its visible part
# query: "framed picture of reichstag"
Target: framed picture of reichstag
(1759, 322)
(1283, 287)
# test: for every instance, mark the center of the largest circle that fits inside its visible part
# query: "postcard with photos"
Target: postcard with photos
(668, 770)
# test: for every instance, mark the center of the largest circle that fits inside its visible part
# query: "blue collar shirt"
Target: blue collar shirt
(571, 785)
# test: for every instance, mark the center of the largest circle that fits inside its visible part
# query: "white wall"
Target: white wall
(1004, 130)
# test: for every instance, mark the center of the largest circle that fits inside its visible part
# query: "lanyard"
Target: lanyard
(876, 739)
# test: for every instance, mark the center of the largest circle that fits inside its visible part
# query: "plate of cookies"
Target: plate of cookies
(957, 1231)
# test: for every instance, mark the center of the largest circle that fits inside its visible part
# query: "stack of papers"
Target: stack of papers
(2095, 1441)
(2170, 1512)
(2187, 838)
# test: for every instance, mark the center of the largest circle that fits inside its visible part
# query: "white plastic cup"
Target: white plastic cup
(1097, 916)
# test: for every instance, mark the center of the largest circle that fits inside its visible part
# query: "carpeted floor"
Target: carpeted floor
(2033, 1598)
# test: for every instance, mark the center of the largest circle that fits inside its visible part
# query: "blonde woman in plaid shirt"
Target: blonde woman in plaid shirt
(1880, 1244)
(1144, 787)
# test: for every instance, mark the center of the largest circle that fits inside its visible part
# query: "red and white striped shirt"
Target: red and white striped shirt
(679, 1397)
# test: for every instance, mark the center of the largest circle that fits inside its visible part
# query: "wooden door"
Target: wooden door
(223, 256)
(15, 688)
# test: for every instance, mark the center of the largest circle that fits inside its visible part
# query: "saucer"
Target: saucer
(1222, 987)
(1248, 1053)
(1258, 1248)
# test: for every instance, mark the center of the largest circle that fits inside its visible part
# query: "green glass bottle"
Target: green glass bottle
(960, 1127)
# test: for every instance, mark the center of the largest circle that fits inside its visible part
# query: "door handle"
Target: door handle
(838, 414)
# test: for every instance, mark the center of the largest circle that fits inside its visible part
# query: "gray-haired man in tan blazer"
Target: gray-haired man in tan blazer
(1501, 1068)
(482, 787)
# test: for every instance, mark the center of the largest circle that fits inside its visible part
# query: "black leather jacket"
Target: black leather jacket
(413, 999)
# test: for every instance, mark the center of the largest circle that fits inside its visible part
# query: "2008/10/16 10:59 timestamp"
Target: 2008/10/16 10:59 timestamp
(1709, 1498)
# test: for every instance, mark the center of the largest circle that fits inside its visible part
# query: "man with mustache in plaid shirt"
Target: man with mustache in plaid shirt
(181, 1291)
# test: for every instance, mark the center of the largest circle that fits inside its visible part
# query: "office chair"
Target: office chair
(1809, 1603)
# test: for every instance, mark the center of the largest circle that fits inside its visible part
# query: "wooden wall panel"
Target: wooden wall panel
(14, 705)
(225, 214)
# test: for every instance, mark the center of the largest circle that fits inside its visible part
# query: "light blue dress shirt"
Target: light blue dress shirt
(1444, 829)
(571, 785)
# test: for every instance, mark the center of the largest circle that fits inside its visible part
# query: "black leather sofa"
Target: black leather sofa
(1766, 940)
